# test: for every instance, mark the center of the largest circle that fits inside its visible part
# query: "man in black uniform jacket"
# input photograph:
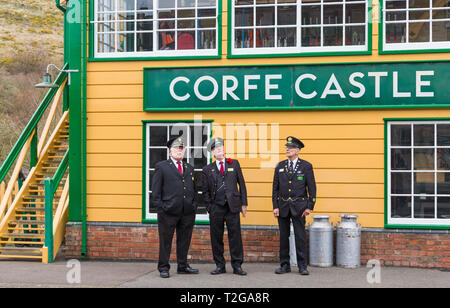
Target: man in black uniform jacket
(293, 197)
(225, 201)
(175, 197)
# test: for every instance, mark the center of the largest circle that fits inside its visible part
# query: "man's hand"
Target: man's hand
(244, 211)
(306, 212)
(276, 212)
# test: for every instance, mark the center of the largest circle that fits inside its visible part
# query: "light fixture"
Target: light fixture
(47, 78)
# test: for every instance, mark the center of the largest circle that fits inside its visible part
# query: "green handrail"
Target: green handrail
(51, 185)
(31, 126)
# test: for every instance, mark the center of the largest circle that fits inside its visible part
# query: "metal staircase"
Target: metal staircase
(32, 220)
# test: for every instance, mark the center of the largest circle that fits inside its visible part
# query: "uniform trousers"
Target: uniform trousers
(300, 239)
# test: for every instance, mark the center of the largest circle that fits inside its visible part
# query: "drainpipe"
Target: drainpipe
(83, 128)
(58, 5)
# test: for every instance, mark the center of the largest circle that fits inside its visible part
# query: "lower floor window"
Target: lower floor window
(418, 169)
(196, 137)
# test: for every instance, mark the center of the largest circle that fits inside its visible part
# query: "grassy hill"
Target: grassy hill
(31, 36)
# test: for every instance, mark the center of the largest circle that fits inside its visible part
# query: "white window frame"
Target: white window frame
(153, 216)
(155, 53)
(414, 221)
(298, 48)
(406, 46)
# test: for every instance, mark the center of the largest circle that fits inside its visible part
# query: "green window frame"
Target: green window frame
(189, 128)
(399, 18)
(134, 27)
(295, 42)
(417, 173)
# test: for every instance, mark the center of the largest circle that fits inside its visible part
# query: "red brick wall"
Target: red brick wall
(139, 241)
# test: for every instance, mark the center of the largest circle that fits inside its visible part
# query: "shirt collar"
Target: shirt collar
(218, 163)
(175, 162)
(294, 162)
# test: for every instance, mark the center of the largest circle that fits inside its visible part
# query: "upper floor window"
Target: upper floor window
(416, 24)
(155, 28)
(295, 26)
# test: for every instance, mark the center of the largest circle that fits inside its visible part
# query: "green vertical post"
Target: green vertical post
(33, 150)
(49, 218)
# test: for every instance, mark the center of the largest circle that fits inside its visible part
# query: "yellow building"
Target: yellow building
(364, 84)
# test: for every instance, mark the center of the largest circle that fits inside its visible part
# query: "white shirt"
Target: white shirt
(294, 163)
(176, 162)
(218, 164)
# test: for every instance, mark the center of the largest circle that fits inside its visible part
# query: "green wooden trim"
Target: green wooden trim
(144, 167)
(31, 126)
(230, 54)
(386, 188)
(49, 187)
(60, 171)
(381, 51)
(92, 58)
(33, 150)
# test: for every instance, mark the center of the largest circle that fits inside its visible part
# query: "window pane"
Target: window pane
(106, 5)
(158, 136)
(126, 42)
(332, 36)
(401, 159)
(243, 17)
(310, 37)
(207, 39)
(440, 3)
(186, 40)
(443, 207)
(287, 37)
(423, 207)
(244, 38)
(265, 16)
(207, 23)
(355, 35)
(185, 23)
(186, 13)
(423, 159)
(311, 15)
(424, 135)
(418, 15)
(419, 3)
(157, 155)
(424, 183)
(443, 183)
(419, 32)
(144, 42)
(186, 3)
(400, 183)
(401, 207)
(144, 4)
(243, 2)
(265, 37)
(443, 159)
(199, 135)
(125, 5)
(400, 135)
(106, 42)
(206, 3)
(441, 31)
(207, 13)
(395, 33)
(163, 4)
(287, 15)
(395, 15)
(166, 40)
(144, 25)
(396, 4)
(355, 13)
(332, 14)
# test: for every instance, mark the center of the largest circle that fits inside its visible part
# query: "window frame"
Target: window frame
(410, 223)
(94, 56)
(406, 48)
(152, 217)
(300, 51)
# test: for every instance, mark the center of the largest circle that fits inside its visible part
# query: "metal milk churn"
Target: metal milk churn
(292, 250)
(321, 242)
(348, 242)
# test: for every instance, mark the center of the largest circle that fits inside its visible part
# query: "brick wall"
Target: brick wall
(122, 241)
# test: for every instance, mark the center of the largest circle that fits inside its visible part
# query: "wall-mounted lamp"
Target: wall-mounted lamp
(47, 79)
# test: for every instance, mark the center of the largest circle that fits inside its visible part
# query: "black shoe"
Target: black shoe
(283, 269)
(164, 274)
(303, 271)
(219, 270)
(239, 271)
(187, 270)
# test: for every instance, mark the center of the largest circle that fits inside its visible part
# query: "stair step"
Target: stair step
(22, 243)
(23, 229)
(22, 249)
(28, 222)
(19, 257)
(20, 235)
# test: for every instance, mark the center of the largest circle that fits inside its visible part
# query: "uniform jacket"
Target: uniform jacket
(172, 192)
(236, 197)
(293, 191)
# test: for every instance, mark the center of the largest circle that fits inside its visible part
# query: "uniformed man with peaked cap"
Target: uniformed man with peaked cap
(225, 194)
(175, 196)
(293, 198)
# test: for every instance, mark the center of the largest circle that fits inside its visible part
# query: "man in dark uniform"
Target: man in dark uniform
(293, 197)
(175, 197)
(225, 202)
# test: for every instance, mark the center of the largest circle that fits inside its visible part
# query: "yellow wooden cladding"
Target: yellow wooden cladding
(345, 147)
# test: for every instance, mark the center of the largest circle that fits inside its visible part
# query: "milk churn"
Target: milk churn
(348, 242)
(292, 250)
(321, 242)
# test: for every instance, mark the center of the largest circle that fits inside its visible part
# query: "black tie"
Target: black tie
(291, 166)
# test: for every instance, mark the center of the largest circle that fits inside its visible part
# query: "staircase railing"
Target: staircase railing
(28, 143)
(54, 226)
